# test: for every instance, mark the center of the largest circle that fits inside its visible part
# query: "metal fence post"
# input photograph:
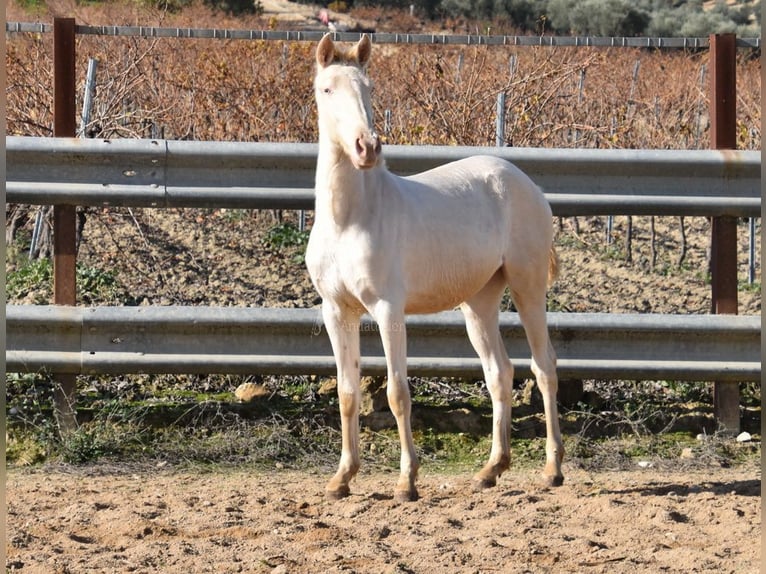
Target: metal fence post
(90, 93)
(64, 216)
(500, 120)
(723, 246)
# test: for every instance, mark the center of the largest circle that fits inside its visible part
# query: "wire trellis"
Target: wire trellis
(384, 38)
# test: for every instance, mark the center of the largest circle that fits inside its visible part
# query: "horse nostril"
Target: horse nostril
(367, 148)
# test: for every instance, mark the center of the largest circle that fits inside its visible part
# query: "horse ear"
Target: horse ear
(325, 51)
(363, 49)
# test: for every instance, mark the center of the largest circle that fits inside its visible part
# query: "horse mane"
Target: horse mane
(345, 57)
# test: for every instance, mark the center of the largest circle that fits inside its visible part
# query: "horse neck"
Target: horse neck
(343, 193)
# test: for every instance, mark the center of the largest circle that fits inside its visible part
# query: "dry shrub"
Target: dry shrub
(261, 91)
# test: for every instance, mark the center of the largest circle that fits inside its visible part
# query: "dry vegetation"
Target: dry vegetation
(261, 91)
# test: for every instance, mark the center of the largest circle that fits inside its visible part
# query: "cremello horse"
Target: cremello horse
(390, 246)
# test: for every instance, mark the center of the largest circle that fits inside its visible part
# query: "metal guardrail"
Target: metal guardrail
(163, 173)
(237, 340)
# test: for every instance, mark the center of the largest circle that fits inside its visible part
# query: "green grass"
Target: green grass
(295, 433)
(745, 287)
(31, 281)
(34, 275)
(195, 420)
(286, 237)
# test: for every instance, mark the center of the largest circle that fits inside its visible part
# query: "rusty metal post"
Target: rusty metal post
(64, 216)
(723, 246)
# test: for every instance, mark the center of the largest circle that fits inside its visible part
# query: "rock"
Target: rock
(687, 453)
(530, 396)
(744, 437)
(645, 464)
(373, 393)
(248, 392)
(328, 387)
(374, 399)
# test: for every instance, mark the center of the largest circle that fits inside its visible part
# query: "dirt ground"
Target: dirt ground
(647, 520)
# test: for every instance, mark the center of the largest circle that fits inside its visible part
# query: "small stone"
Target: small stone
(328, 387)
(687, 453)
(248, 392)
(374, 398)
(645, 464)
(744, 437)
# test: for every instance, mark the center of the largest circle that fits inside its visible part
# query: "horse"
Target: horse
(388, 246)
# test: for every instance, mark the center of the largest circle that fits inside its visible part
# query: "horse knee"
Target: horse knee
(546, 376)
(398, 394)
(500, 385)
(349, 401)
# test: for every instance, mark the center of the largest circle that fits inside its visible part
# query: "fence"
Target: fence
(640, 193)
(383, 38)
(174, 339)
(158, 173)
(161, 173)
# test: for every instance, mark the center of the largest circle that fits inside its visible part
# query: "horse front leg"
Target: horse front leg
(394, 337)
(343, 329)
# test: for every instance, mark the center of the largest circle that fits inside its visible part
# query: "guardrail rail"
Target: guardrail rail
(204, 340)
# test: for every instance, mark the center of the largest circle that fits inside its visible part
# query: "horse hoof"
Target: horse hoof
(555, 480)
(338, 493)
(406, 495)
(480, 484)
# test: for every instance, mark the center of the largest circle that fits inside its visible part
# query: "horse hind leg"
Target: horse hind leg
(482, 323)
(529, 298)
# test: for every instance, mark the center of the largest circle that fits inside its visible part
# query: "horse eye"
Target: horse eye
(327, 90)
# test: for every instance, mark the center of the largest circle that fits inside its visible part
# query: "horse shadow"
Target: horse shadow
(737, 487)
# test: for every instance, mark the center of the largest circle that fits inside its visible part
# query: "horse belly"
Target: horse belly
(448, 261)
(441, 284)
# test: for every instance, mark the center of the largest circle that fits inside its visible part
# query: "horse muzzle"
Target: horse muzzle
(367, 150)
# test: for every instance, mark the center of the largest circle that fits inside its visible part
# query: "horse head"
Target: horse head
(343, 95)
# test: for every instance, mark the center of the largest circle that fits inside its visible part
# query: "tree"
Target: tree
(598, 17)
(525, 14)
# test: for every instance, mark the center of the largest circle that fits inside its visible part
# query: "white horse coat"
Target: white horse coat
(389, 246)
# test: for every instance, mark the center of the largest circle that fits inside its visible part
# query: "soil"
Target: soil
(71, 521)
(223, 257)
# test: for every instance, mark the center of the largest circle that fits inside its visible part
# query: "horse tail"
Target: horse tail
(553, 266)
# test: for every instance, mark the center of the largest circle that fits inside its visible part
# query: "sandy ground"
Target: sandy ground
(71, 521)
